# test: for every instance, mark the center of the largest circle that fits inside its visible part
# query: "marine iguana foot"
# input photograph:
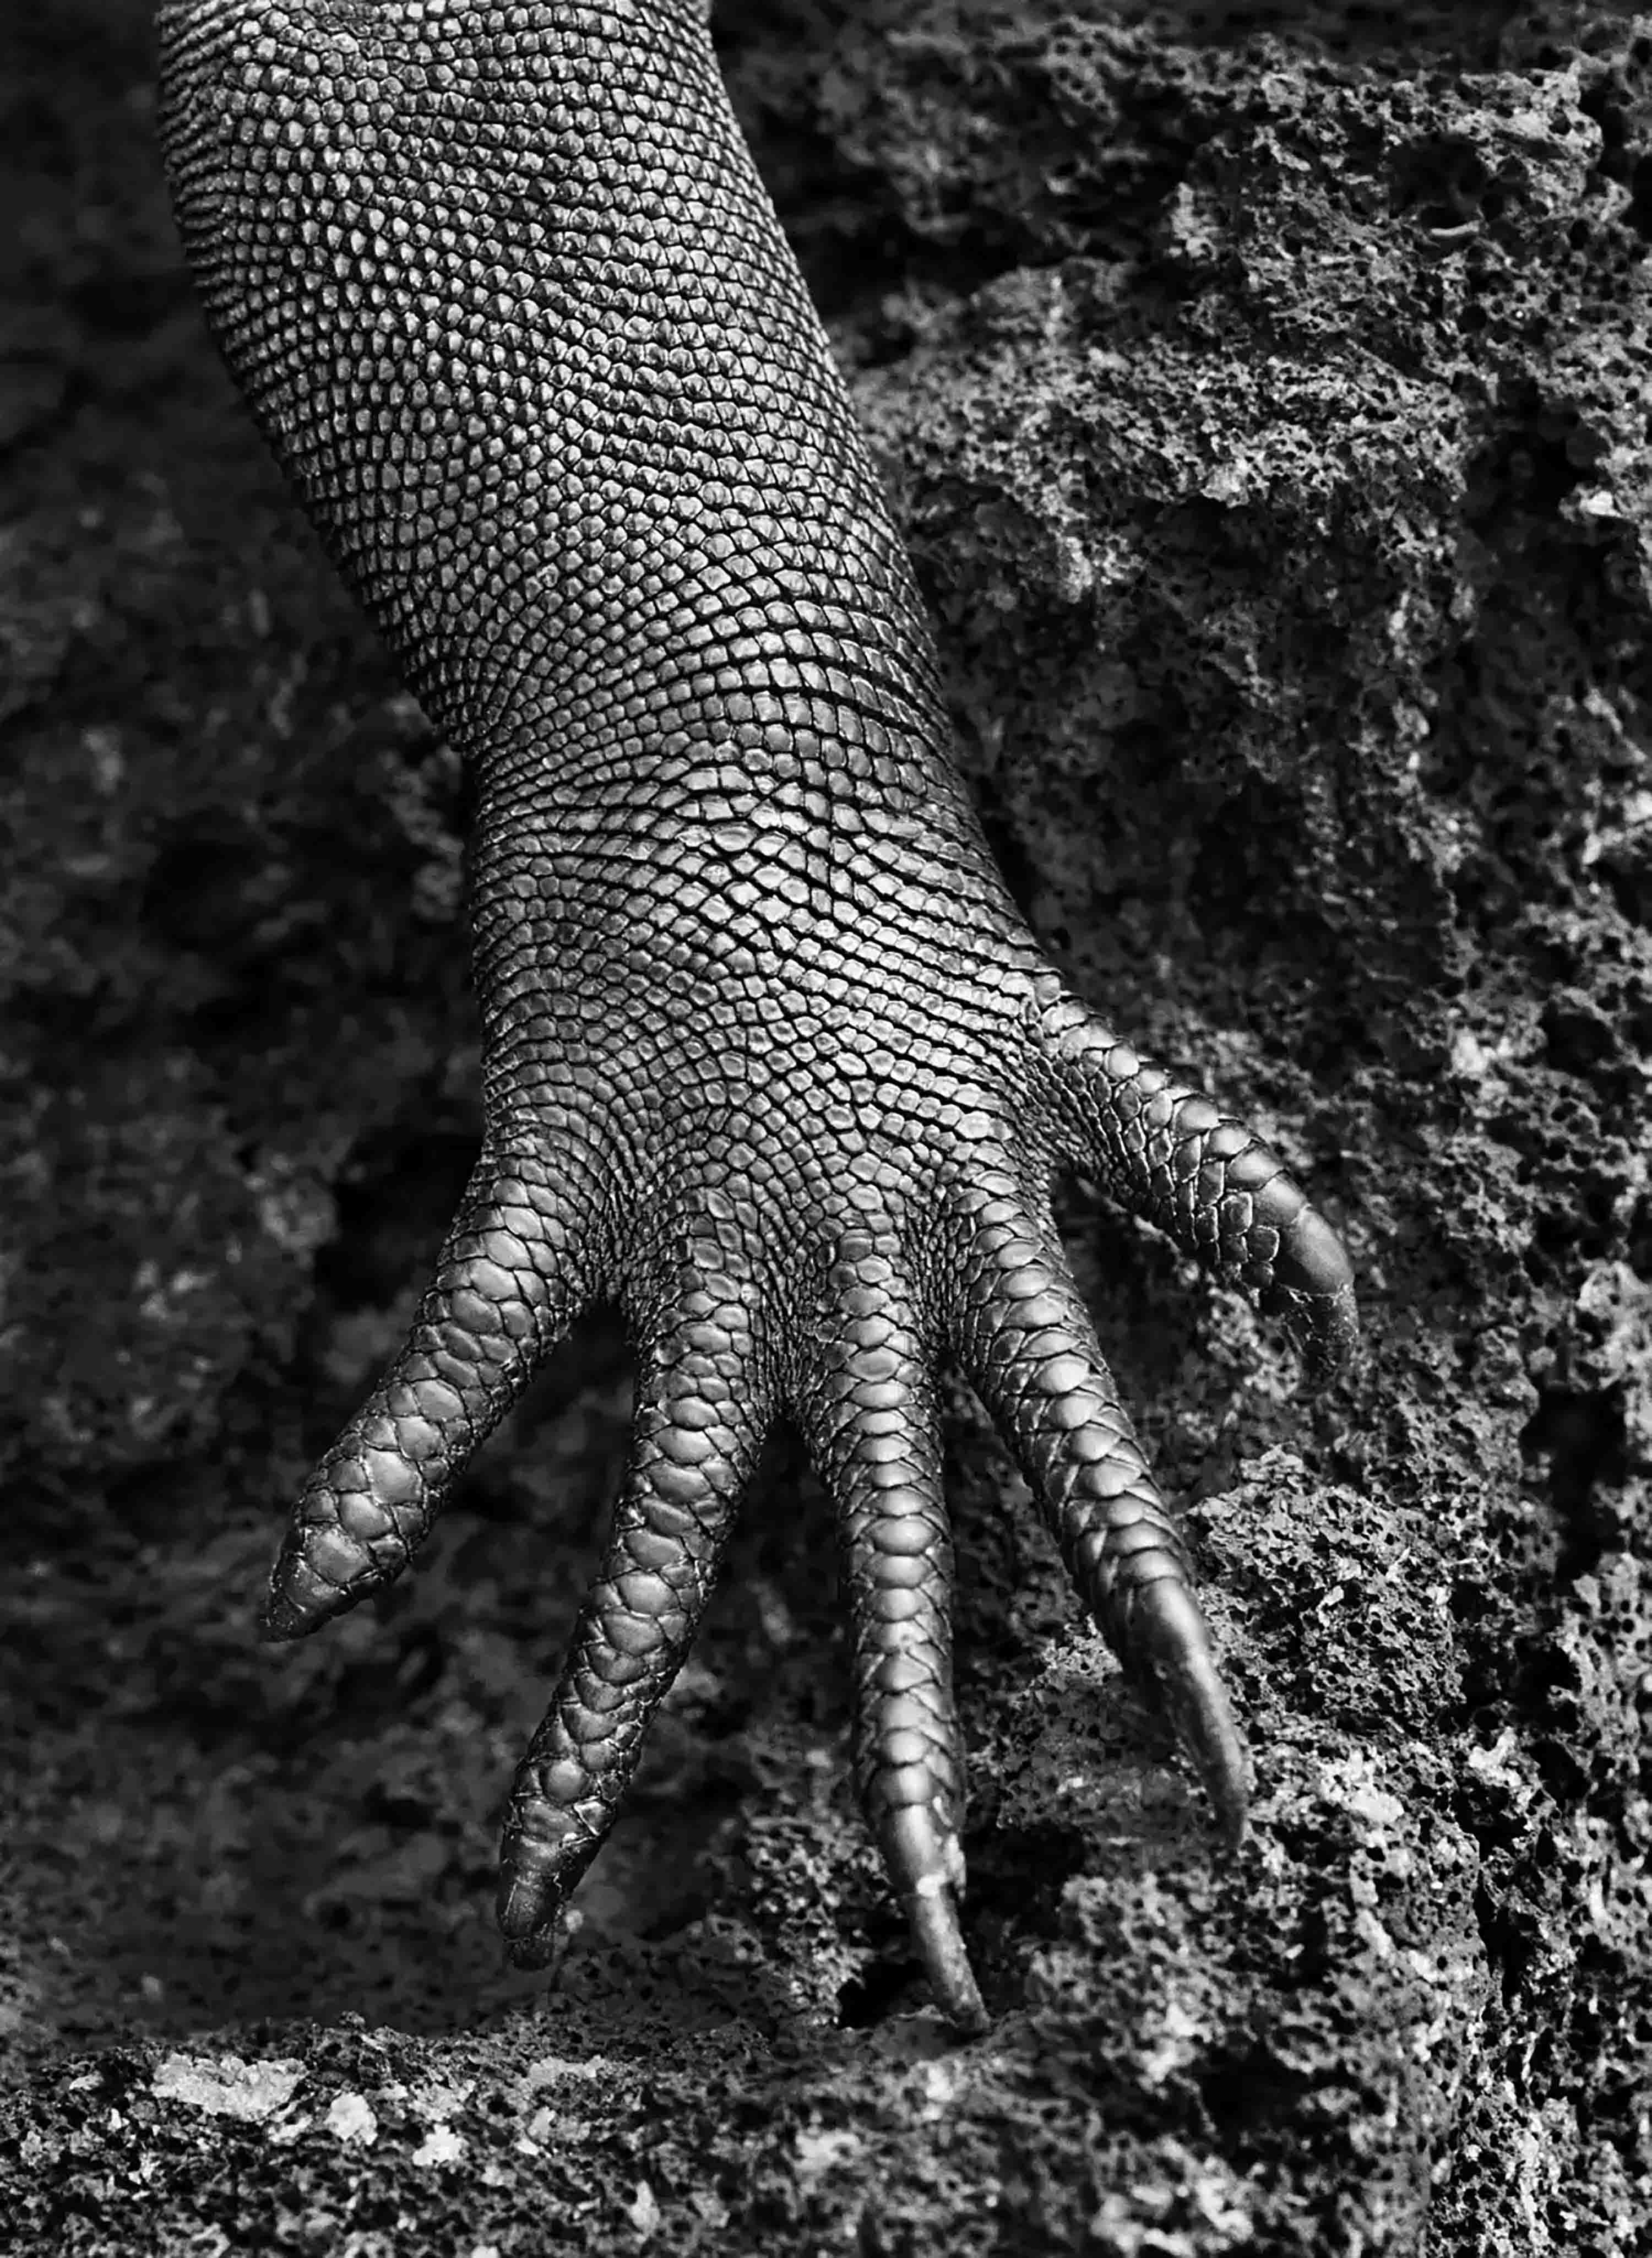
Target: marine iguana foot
(792, 1265)
(772, 1060)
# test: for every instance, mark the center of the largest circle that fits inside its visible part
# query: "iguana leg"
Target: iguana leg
(770, 1057)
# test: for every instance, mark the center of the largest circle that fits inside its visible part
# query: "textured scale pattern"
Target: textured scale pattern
(770, 1058)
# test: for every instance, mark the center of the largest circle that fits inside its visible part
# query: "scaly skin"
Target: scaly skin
(771, 1060)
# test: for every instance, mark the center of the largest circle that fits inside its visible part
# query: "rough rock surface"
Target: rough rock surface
(1268, 411)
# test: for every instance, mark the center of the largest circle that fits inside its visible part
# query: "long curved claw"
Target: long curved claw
(1167, 1632)
(932, 1913)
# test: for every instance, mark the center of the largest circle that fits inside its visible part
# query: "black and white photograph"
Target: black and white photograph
(826, 1129)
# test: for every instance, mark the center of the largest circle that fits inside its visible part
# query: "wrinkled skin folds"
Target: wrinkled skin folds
(770, 1058)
